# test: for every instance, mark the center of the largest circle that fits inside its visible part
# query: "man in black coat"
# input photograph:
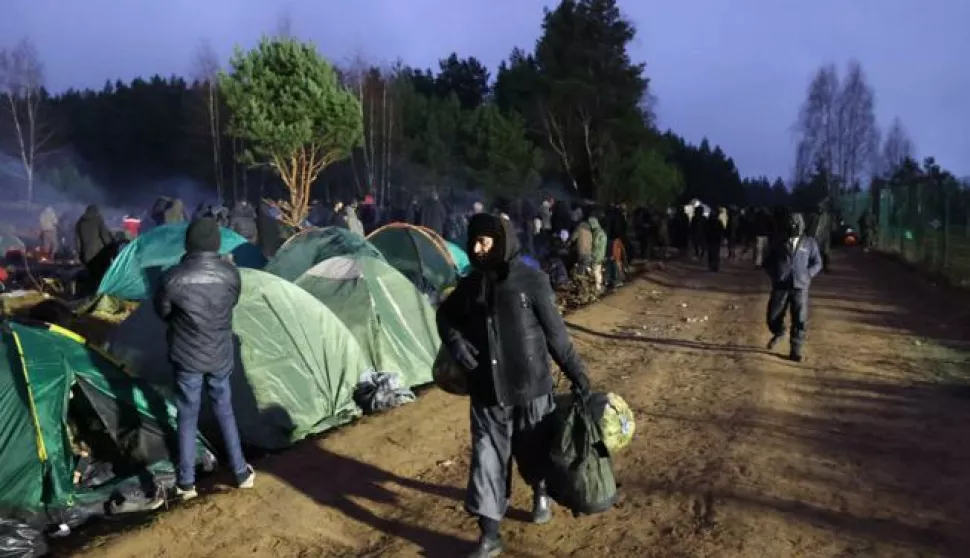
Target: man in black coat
(243, 221)
(95, 245)
(793, 259)
(500, 323)
(196, 299)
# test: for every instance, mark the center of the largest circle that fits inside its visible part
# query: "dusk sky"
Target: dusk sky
(735, 71)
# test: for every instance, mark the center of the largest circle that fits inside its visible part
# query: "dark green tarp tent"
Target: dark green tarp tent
(391, 320)
(418, 253)
(296, 369)
(50, 377)
(141, 263)
(308, 248)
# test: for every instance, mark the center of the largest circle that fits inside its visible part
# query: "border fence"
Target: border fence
(926, 226)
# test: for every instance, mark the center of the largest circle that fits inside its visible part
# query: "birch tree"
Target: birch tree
(22, 88)
(207, 74)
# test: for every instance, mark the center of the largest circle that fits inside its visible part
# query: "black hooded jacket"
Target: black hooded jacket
(92, 234)
(514, 329)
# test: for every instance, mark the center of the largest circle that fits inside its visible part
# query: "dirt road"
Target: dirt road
(861, 450)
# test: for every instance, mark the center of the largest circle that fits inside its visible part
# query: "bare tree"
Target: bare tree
(858, 135)
(206, 72)
(836, 129)
(374, 87)
(896, 148)
(816, 126)
(22, 86)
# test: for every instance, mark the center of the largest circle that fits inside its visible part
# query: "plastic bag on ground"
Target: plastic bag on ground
(18, 540)
(379, 391)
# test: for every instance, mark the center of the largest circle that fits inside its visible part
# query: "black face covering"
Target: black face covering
(795, 225)
(494, 267)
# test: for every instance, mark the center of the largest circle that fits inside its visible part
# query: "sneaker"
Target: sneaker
(248, 479)
(185, 493)
(488, 548)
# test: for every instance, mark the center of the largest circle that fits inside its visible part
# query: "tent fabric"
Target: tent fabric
(9, 243)
(418, 253)
(296, 363)
(458, 255)
(141, 263)
(391, 320)
(40, 365)
(305, 250)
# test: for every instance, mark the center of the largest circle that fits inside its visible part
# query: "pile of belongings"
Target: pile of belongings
(380, 391)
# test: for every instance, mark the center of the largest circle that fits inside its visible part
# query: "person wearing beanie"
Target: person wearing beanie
(792, 261)
(196, 298)
(501, 323)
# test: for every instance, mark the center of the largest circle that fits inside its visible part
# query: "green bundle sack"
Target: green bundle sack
(580, 476)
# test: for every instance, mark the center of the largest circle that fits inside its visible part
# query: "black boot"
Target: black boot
(796, 353)
(541, 506)
(490, 543)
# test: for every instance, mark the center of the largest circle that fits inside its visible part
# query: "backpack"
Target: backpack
(580, 476)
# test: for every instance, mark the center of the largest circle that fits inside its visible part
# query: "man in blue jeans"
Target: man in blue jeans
(196, 299)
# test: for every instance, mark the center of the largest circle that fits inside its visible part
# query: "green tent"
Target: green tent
(388, 316)
(296, 369)
(50, 378)
(458, 255)
(310, 247)
(418, 253)
(141, 262)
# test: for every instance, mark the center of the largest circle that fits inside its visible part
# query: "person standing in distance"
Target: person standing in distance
(196, 299)
(500, 323)
(792, 261)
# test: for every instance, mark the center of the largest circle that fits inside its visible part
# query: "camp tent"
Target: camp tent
(418, 253)
(143, 260)
(308, 248)
(391, 320)
(458, 255)
(296, 368)
(48, 378)
(9, 242)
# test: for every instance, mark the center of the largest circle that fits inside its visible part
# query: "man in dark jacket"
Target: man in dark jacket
(196, 299)
(500, 323)
(95, 244)
(243, 221)
(793, 259)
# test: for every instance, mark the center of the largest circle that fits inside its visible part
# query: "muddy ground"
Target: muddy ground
(861, 450)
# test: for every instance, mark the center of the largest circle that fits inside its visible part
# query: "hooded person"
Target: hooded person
(94, 244)
(175, 212)
(242, 219)
(196, 299)
(500, 323)
(792, 261)
(48, 231)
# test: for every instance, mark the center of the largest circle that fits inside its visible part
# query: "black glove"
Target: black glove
(464, 353)
(580, 387)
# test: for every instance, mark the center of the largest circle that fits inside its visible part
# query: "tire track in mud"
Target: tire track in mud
(689, 391)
